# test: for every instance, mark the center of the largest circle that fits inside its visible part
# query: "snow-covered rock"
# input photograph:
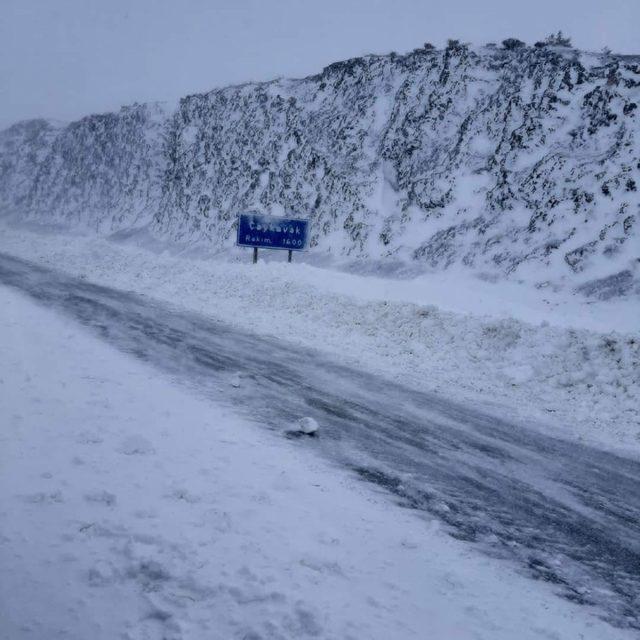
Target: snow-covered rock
(307, 425)
(517, 161)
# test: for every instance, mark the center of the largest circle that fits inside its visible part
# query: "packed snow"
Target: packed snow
(566, 364)
(131, 508)
(307, 425)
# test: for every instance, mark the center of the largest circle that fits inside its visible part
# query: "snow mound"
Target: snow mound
(307, 425)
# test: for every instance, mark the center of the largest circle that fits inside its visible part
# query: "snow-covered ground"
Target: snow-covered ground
(568, 364)
(131, 508)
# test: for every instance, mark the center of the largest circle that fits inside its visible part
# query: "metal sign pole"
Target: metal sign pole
(255, 255)
(289, 256)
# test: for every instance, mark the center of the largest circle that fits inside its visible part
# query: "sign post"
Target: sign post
(271, 232)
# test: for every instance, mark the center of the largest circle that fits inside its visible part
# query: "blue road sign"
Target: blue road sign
(270, 232)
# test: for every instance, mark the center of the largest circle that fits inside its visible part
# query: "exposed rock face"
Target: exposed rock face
(501, 160)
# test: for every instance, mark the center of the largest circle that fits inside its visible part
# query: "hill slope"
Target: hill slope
(523, 161)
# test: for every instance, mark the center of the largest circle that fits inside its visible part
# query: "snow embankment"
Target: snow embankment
(563, 363)
(132, 509)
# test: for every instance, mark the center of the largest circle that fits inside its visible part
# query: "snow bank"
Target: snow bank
(555, 370)
(131, 509)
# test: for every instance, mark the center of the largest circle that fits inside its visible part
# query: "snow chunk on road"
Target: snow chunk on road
(307, 425)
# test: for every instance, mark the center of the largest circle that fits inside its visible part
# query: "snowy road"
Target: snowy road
(563, 512)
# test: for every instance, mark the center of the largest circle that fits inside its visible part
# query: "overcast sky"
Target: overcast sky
(66, 58)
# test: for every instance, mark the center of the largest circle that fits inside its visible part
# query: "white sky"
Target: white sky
(66, 58)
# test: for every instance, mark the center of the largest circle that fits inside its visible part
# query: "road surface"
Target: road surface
(562, 512)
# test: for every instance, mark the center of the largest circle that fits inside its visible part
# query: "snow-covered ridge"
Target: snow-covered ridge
(523, 161)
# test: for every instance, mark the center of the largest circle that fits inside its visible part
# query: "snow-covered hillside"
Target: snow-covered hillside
(520, 161)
